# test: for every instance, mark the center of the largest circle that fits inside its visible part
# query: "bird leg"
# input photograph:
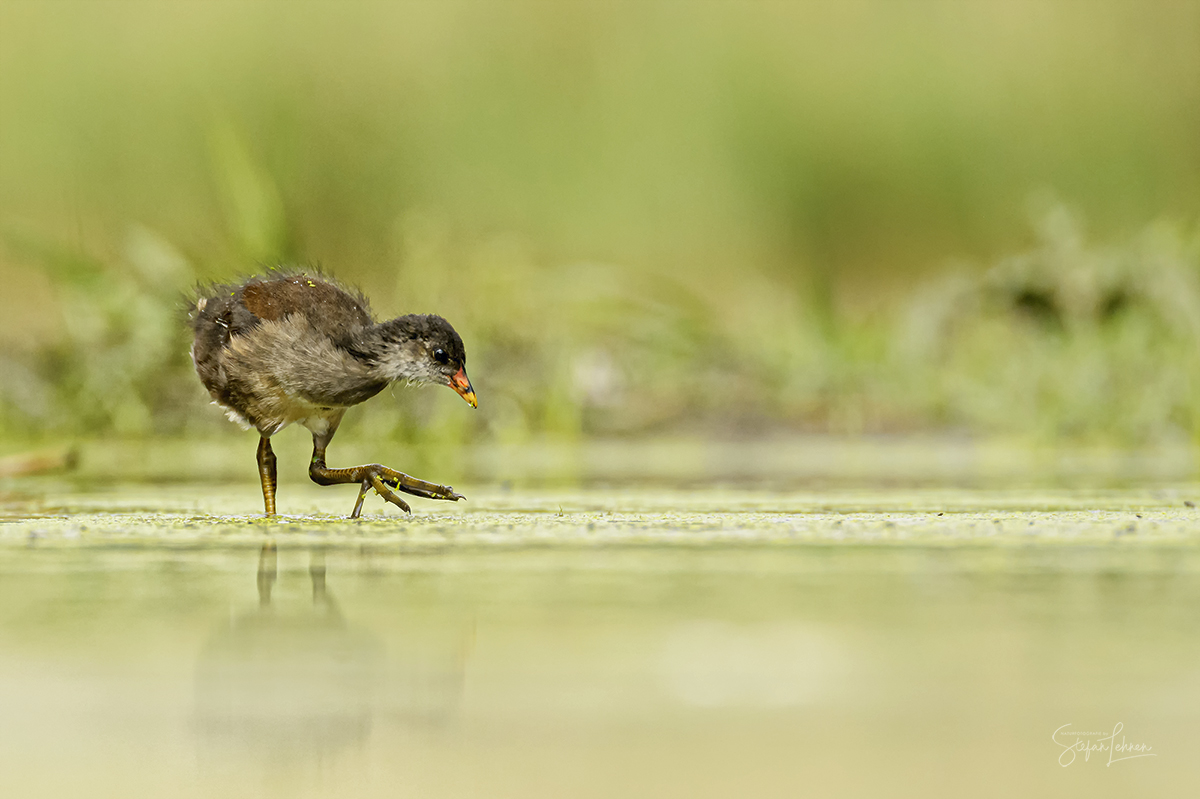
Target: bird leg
(266, 473)
(376, 476)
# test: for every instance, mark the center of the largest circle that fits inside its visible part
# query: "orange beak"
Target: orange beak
(462, 384)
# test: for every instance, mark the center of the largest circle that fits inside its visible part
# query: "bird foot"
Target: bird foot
(387, 481)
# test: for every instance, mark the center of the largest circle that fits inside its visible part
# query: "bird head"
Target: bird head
(424, 348)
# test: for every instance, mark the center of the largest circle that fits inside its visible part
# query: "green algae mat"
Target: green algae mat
(167, 640)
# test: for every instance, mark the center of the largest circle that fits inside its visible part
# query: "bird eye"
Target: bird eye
(440, 356)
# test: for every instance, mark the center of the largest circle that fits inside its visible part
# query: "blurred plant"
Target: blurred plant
(254, 211)
(117, 364)
(121, 362)
(1065, 340)
(1068, 340)
(596, 349)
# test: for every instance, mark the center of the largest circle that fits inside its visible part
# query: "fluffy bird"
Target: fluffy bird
(295, 347)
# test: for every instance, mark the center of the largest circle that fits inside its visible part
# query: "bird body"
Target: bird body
(273, 353)
(297, 348)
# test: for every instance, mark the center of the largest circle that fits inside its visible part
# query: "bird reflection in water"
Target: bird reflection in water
(289, 681)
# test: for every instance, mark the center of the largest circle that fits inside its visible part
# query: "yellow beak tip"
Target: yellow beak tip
(462, 385)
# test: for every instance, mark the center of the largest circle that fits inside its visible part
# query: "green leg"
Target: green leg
(374, 475)
(266, 473)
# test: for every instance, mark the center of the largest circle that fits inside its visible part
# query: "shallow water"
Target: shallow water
(160, 642)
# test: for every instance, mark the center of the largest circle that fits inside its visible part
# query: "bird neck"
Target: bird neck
(391, 349)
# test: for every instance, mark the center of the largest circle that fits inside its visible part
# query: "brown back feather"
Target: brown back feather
(327, 307)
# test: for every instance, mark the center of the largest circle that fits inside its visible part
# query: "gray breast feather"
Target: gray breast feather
(285, 371)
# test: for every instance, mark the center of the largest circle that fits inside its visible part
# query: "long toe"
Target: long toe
(385, 491)
(416, 487)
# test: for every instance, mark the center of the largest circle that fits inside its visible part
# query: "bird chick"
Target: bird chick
(295, 347)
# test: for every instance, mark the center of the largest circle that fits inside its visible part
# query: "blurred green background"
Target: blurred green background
(710, 219)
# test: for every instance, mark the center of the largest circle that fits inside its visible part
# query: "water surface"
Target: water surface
(598, 643)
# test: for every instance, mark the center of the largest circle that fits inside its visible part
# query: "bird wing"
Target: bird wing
(329, 309)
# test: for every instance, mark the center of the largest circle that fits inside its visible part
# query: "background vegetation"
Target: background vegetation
(723, 219)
